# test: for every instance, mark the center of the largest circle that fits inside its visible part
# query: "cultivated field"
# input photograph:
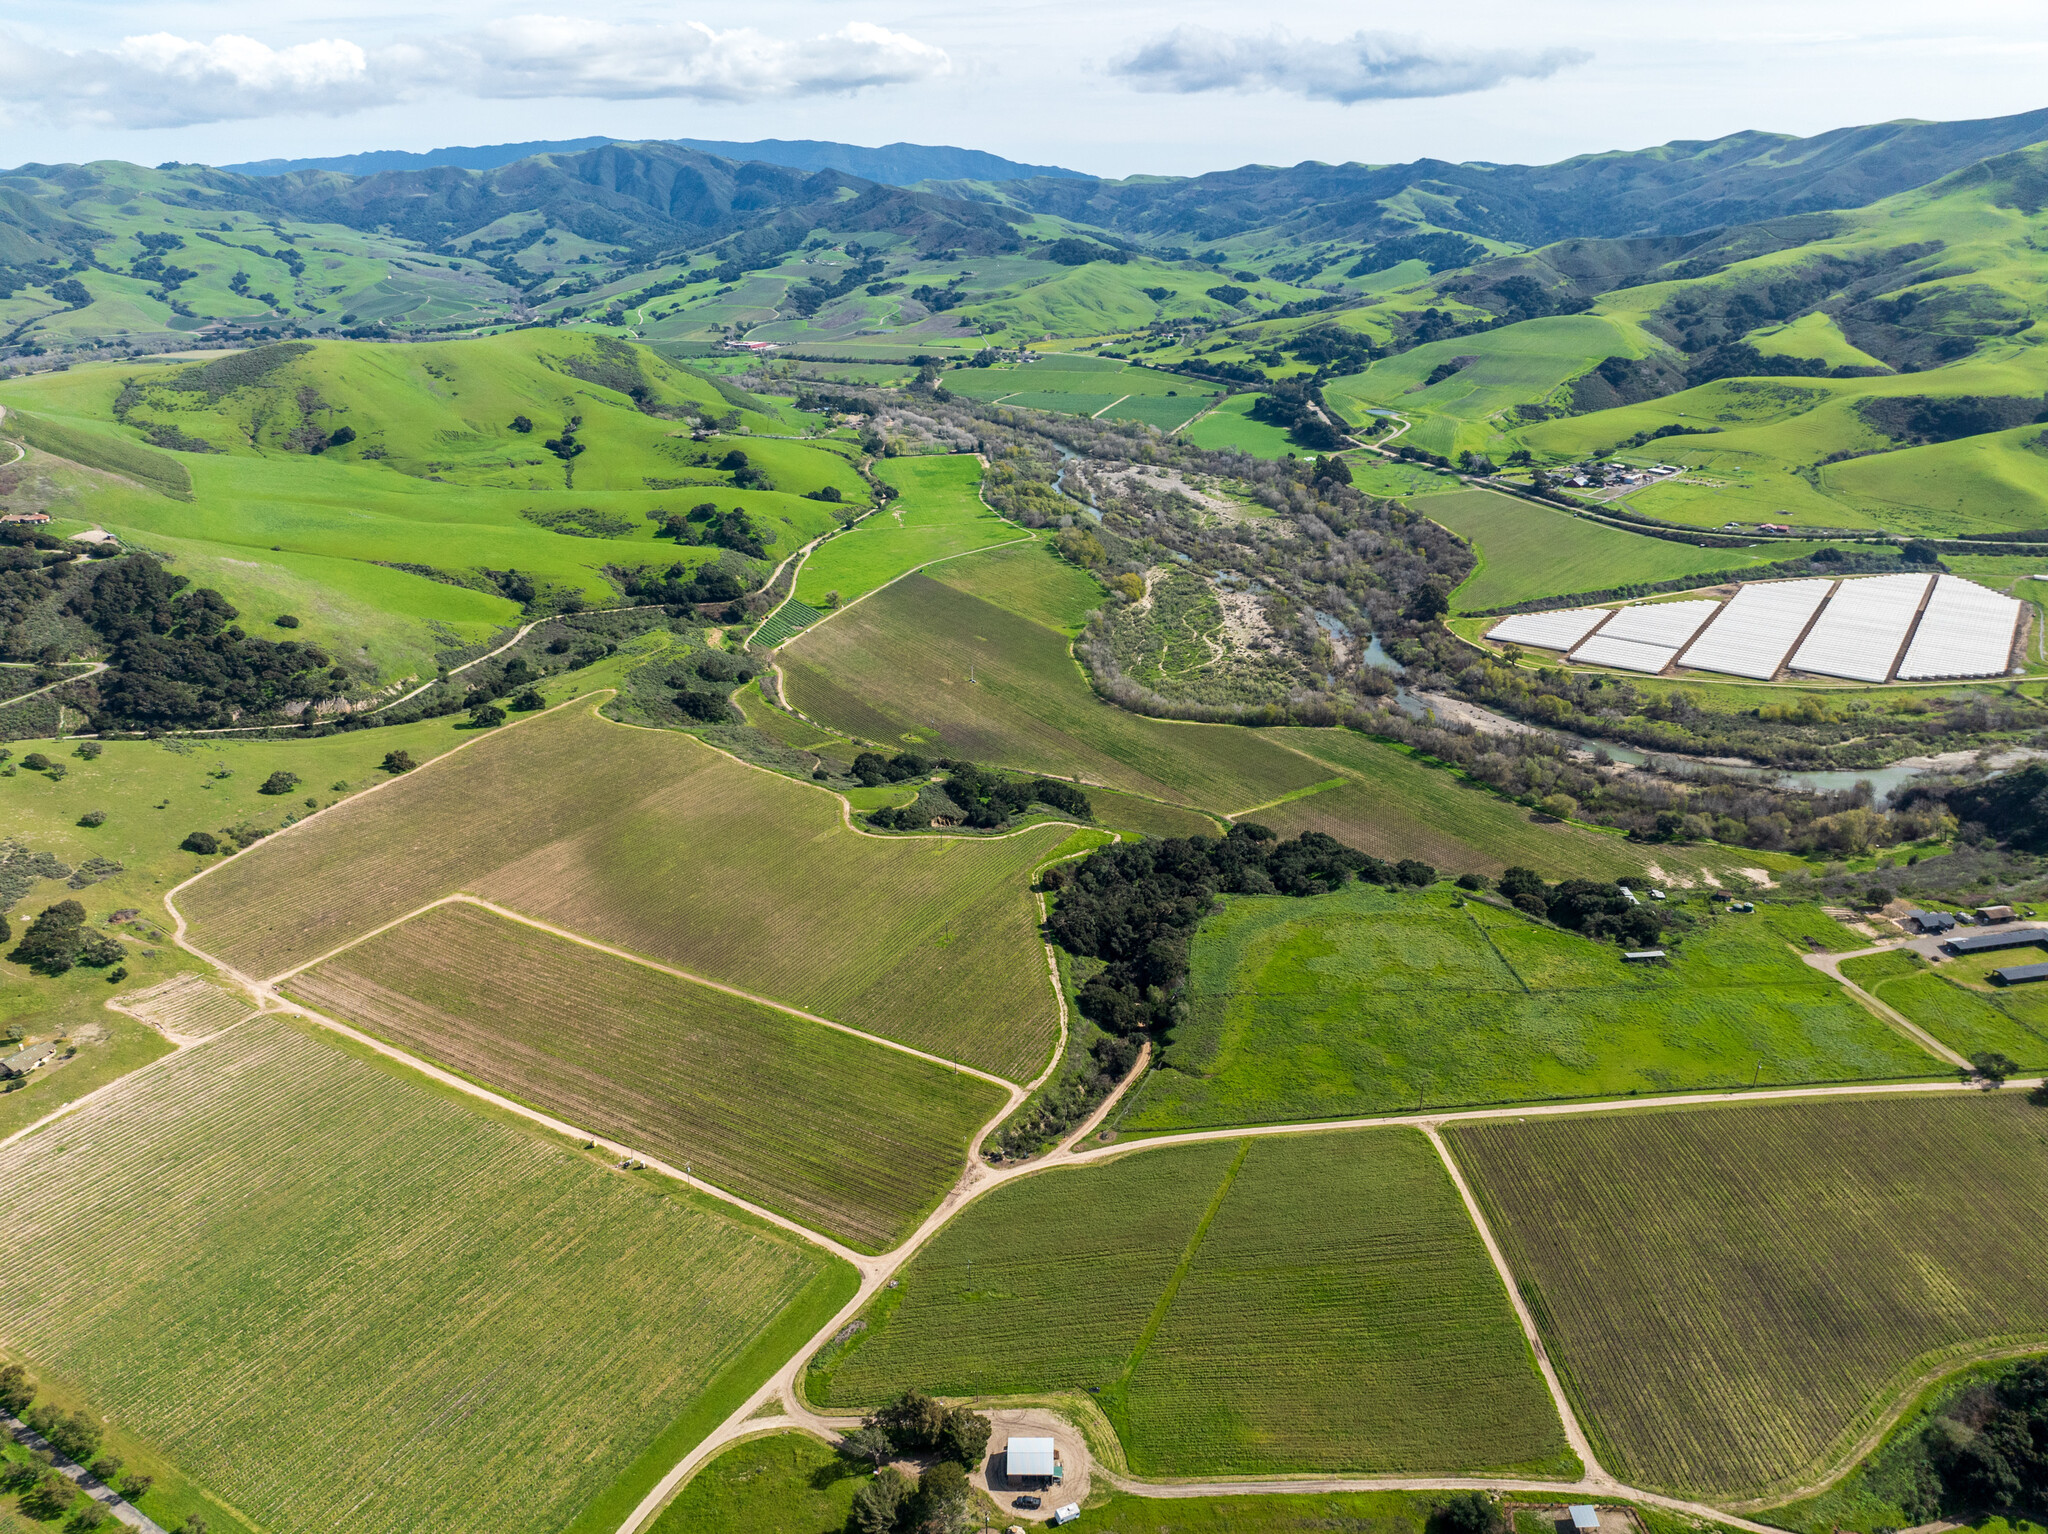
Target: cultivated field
(1311, 1303)
(938, 514)
(322, 1286)
(1970, 1019)
(925, 662)
(1528, 551)
(618, 1048)
(1367, 1001)
(654, 842)
(1030, 580)
(1734, 1295)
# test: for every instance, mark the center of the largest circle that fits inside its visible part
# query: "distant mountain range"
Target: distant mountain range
(891, 164)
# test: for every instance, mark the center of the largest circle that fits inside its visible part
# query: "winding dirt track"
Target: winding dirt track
(978, 1178)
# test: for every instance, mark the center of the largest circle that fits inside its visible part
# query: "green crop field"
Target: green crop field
(1030, 580)
(627, 1051)
(1367, 1001)
(316, 1282)
(686, 856)
(940, 513)
(1318, 1302)
(1230, 425)
(1735, 1295)
(1528, 551)
(1970, 1018)
(927, 664)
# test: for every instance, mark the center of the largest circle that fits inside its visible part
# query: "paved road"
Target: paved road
(126, 1511)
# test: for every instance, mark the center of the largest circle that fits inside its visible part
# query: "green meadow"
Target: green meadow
(938, 513)
(1966, 1013)
(1527, 551)
(1313, 1302)
(1230, 425)
(1367, 1001)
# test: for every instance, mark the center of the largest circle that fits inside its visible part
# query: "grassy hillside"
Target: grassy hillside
(385, 542)
(1230, 1324)
(938, 513)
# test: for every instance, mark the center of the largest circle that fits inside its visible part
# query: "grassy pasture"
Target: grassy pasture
(1230, 425)
(1969, 1018)
(1366, 1001)
(650, 1059)
(1734, 1295)
(1306, 1303)
(219, 1256)
(940, 513)
(1527, 551)
(685, 856)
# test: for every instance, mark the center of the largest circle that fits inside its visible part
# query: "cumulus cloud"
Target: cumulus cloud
(1366, 66)
(162, 80)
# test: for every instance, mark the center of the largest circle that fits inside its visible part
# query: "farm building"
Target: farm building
(1030, 1459)
(2019, 974)
(1643, 955)
(1994, 913)
(22, 1061)
(1930, 921)
(1585, 1518)
(1984, 942)
(25, 518)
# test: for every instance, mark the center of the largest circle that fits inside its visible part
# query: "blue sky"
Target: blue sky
(1110, 89)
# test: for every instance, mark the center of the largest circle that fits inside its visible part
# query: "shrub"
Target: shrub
(88, 750)
(399, 761)
(93, 818)
(51, 943)
(49, 1498)
(203, 842)
(35, 761)
(486, 716)
(286, 621)
(1468, 1512)
(16, 1390)
(117, 974)
(279, 783)
(528, 701)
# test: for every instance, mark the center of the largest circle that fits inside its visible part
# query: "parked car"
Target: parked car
(1030, 1503)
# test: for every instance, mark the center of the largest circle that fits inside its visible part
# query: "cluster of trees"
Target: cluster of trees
(705, 526)
(2012, 808)
(915, 1425)
(808, 298)
(1599, 911)
(704, 686)
(1985, 1452)
(47, 1495)
(177, 658)
(1135, 905)
(58, 939)
(984, 800)
(1297, 405)
(680, 586)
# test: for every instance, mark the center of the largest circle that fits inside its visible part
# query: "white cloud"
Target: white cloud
(165, 81)
(1366, 66)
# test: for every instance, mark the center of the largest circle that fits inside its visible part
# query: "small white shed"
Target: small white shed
(1028, 1459)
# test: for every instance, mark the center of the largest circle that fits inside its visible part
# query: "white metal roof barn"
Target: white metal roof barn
(1756, 628)
(1915, 628)
(1964, 631)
